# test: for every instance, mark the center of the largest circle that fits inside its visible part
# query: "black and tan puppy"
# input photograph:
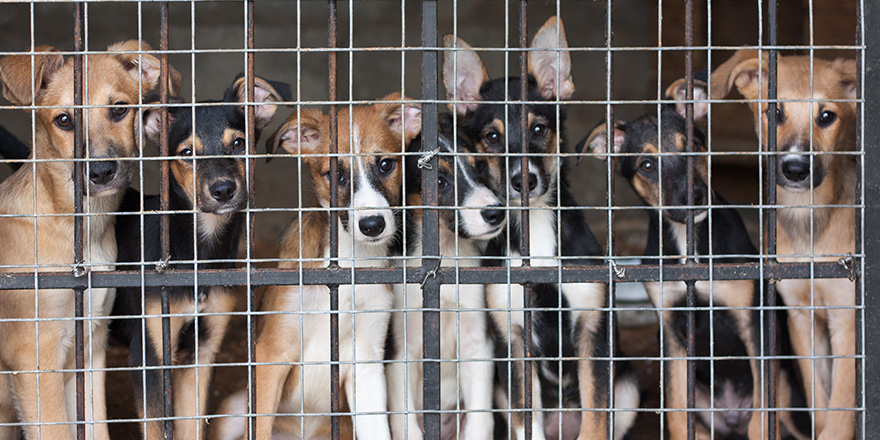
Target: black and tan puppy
(568, 316)
(208, 195)
(657, 170)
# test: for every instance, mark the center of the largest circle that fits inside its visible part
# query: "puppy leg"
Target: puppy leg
(8, 413)
(404, 379)
(476, 377)
(366, 389)
(842, 330)
(593, 393)
(95, 384)
(676, 384)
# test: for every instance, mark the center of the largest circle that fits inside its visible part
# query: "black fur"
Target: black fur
(12, 148)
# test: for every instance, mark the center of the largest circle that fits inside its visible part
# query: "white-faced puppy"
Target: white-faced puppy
(814, 123)
(115, 82)
(473, 213)
(369, 188)
(567, 316)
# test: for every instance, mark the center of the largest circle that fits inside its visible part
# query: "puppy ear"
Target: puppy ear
(551, 67)
(678, 92)
(848, 77)
(597, 141)
(144, 65)
(302, 132)
(403, 119)
(19, 87)
(744, 69)
(264, 91)
(463, 74)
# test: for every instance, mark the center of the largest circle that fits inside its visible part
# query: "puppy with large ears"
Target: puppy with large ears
(813, 122)
(369, 189)
(117, 80)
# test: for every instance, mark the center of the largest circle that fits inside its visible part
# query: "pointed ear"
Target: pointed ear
(597, 141)
(404, 119)
(551, 67)
(264, 91)
(678, 92)
(463, 74)
(743, 69)
(19, 87)
(302, 132)
(848, 78)
(144, 65)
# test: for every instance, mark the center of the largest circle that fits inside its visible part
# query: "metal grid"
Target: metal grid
(429, 274)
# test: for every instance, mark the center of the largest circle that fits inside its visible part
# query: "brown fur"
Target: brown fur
(832, 226)
(46, 188)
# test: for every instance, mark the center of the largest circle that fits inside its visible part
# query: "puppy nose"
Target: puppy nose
(736, 419)
(223, 190)
(516, 182)
(372, 226)
(493, 216)
(796, 170)
(102, 172)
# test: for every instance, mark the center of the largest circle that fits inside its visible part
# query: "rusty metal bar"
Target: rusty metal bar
(691, 231)
(870, 124)
(334, 223)
(79, 189)
(430, 225)
(251, 164)
(771, 368)
(859, 248)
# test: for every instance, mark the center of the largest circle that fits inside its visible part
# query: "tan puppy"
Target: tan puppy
(46, 189)
(812, 122)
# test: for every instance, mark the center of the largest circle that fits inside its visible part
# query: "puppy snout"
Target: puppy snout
(372, 226)
(736, 419)
(102, 172)
(223, 191)
(796, 169)
(493, 216)
(516, 182)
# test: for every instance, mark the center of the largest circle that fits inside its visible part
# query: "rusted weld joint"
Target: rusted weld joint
(162, 266)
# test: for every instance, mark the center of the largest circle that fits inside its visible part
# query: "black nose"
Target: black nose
(223, 190)
(516, 182)
(372, 226)
(493, 216)
(796, 170)
(102, 172)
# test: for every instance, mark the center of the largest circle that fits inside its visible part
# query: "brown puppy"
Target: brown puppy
(813, 124)
(115, 80)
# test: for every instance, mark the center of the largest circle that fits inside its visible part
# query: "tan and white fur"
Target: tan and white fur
(35, 350)
(812, 124)
(367, 228)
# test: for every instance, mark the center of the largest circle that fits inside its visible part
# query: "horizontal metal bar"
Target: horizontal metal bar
(447, 275)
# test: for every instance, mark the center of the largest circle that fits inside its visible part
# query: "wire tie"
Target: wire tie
(847, 264)
(431, 274)
(79, 271)
(425, 160)
(162, 266)
(618, 270)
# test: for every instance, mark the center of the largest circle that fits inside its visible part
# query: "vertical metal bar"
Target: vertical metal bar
(334, 224)
(164, 239)
(430, 225)
(609, 128)
(79, 152)
(771, 369)
(871, 274)
(251, 161)
(859, 287)
(691, 235)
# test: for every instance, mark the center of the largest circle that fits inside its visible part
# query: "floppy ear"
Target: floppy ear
(678, 92)
(743, 69)
(403, 119)
(15, 74)
(597, 141)
(302, 132)
(551, 67)
(145, 66)
(153, 123)
(264, 91)
(848, 78)
(463, 74)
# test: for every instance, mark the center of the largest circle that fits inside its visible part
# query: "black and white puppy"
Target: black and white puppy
(566, 316)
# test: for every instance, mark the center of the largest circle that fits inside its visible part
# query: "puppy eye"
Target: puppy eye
(117, 113)
(647, 166)
(238, 143)
(185, 152)
(539, 130)
(442, 183)
(826, 118)
(492, 137)
(340, 176)
(780, 116)
(386, 166)
(64, 122)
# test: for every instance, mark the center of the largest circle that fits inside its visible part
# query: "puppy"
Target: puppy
(567, 311)
(117, 80)
(661, 182)
(812, 124)
(216, 189)
(369, 187)
(477, 215)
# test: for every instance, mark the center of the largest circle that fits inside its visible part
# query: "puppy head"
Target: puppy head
(202, 173)
(805, 115)
(369, 175)
(117, 80)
